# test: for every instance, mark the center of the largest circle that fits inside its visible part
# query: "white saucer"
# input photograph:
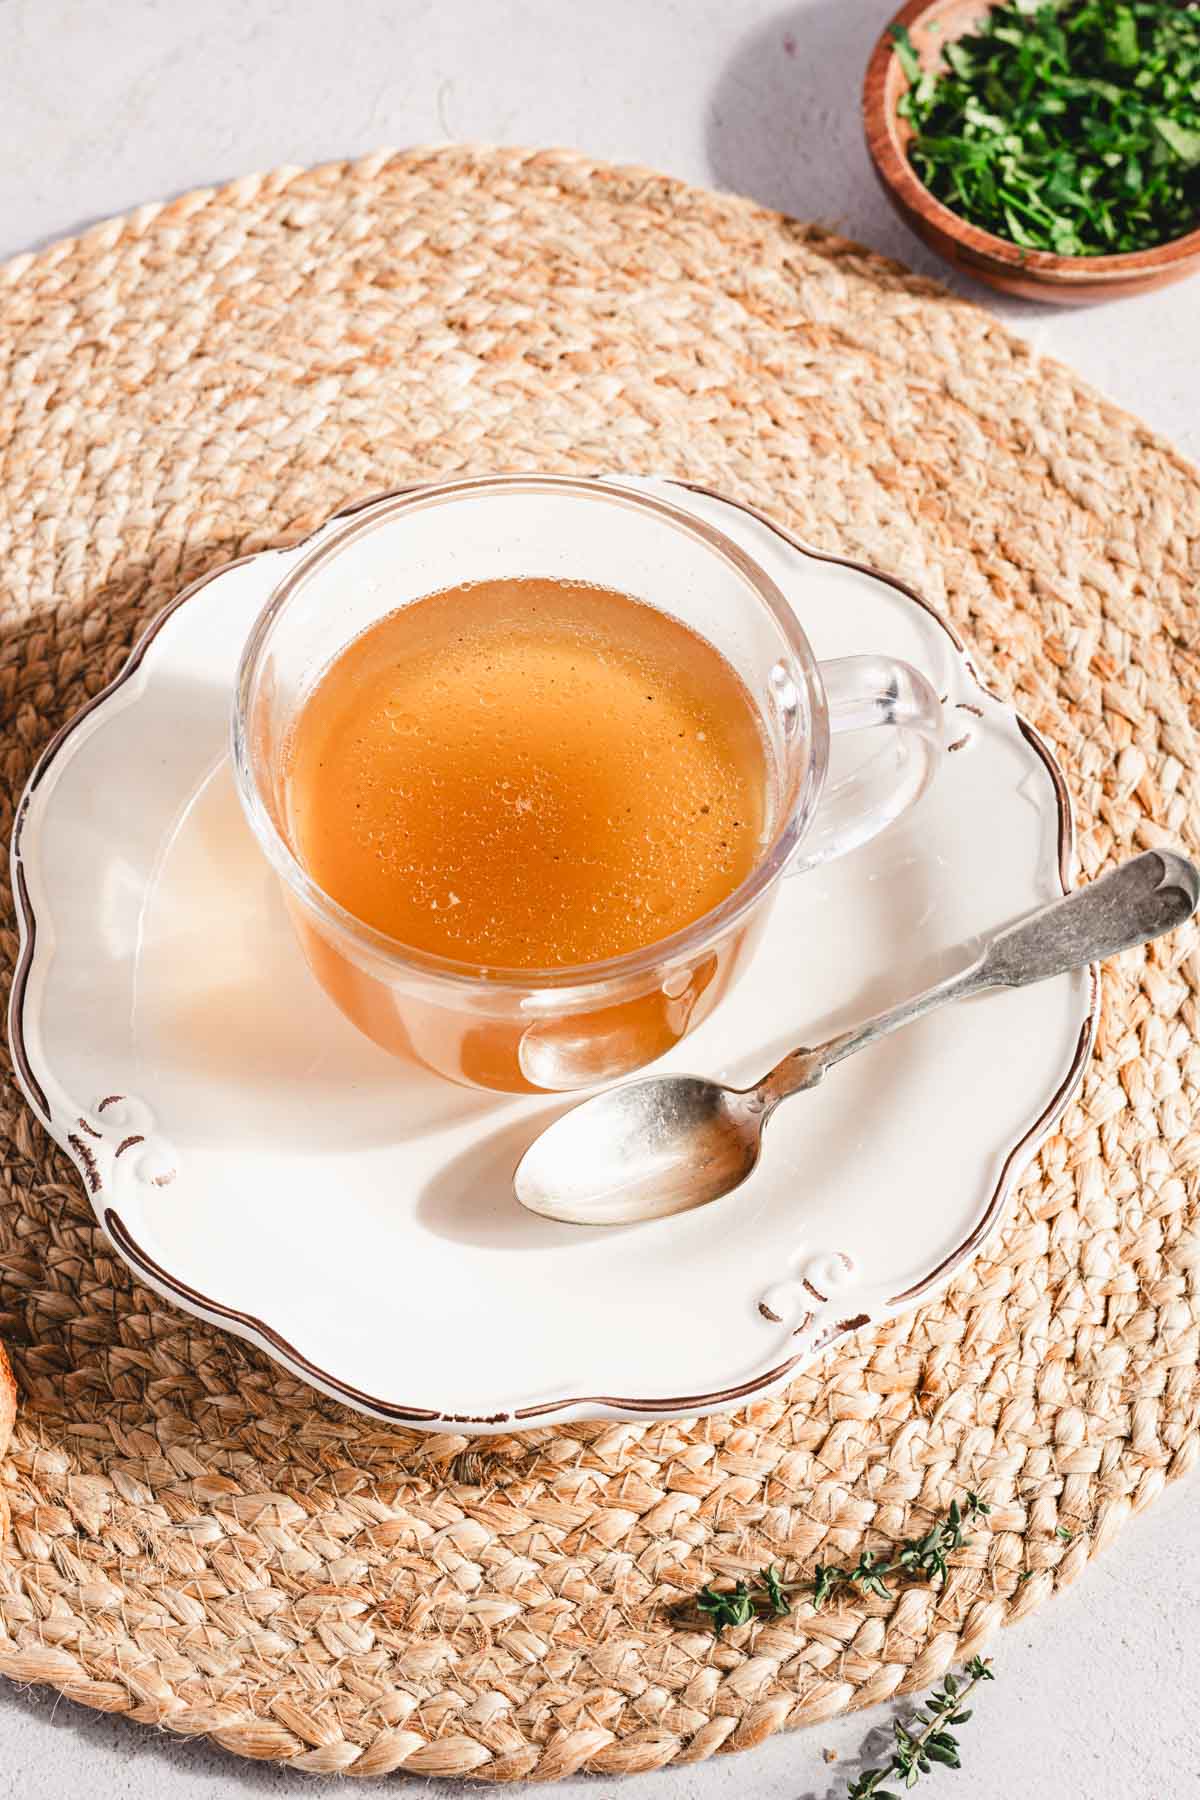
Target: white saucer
(259, 1163)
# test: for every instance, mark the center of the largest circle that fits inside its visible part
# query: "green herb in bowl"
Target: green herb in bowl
(1073, 128)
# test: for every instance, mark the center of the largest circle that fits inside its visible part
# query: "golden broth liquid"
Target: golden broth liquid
(528, 774)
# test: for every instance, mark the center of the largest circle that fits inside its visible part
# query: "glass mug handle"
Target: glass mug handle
(865, 691)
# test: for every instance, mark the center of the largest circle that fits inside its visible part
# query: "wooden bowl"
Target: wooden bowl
(1033, 274)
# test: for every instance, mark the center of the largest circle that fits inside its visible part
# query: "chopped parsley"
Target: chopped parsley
(1070, 127)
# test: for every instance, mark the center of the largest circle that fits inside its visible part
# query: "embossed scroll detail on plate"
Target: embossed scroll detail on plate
(121, 1130)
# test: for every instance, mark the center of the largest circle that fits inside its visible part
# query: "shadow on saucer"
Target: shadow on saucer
(470, 1200)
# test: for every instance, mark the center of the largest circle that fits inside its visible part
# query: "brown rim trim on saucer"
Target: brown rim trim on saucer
(243, 1322)
(247, 1324)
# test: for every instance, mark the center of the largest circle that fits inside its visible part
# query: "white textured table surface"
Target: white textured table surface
(105, 107)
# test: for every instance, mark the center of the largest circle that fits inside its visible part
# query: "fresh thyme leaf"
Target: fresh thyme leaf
(824, 1581)
(1071, 126)
(776, 1597)
(733, 1608)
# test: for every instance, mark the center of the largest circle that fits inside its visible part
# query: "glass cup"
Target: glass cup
(550, 1030)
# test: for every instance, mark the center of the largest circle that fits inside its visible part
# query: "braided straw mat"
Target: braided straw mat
(202, 1542)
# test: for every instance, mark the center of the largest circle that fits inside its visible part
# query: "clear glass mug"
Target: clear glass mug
(549, 1030)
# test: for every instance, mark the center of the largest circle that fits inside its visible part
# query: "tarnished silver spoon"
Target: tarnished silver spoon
(670, 1142)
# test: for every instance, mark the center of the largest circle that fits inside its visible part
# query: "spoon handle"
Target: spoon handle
(1132, 904)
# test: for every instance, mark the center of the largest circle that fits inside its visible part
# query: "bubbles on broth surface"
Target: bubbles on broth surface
(583, 774)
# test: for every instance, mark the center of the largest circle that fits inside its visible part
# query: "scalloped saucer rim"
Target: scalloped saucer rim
(141, 1158)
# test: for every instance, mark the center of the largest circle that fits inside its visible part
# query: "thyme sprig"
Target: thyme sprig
(925, 1738)
(922, 1558)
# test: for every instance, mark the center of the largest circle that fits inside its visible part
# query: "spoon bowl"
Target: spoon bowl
(654, 1147)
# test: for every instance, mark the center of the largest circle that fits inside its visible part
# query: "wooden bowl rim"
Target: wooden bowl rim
(880, 121)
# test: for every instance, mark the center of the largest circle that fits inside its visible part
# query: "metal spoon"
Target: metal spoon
(670, 1142)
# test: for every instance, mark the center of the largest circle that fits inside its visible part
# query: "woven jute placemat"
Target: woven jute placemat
(202, 1542)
